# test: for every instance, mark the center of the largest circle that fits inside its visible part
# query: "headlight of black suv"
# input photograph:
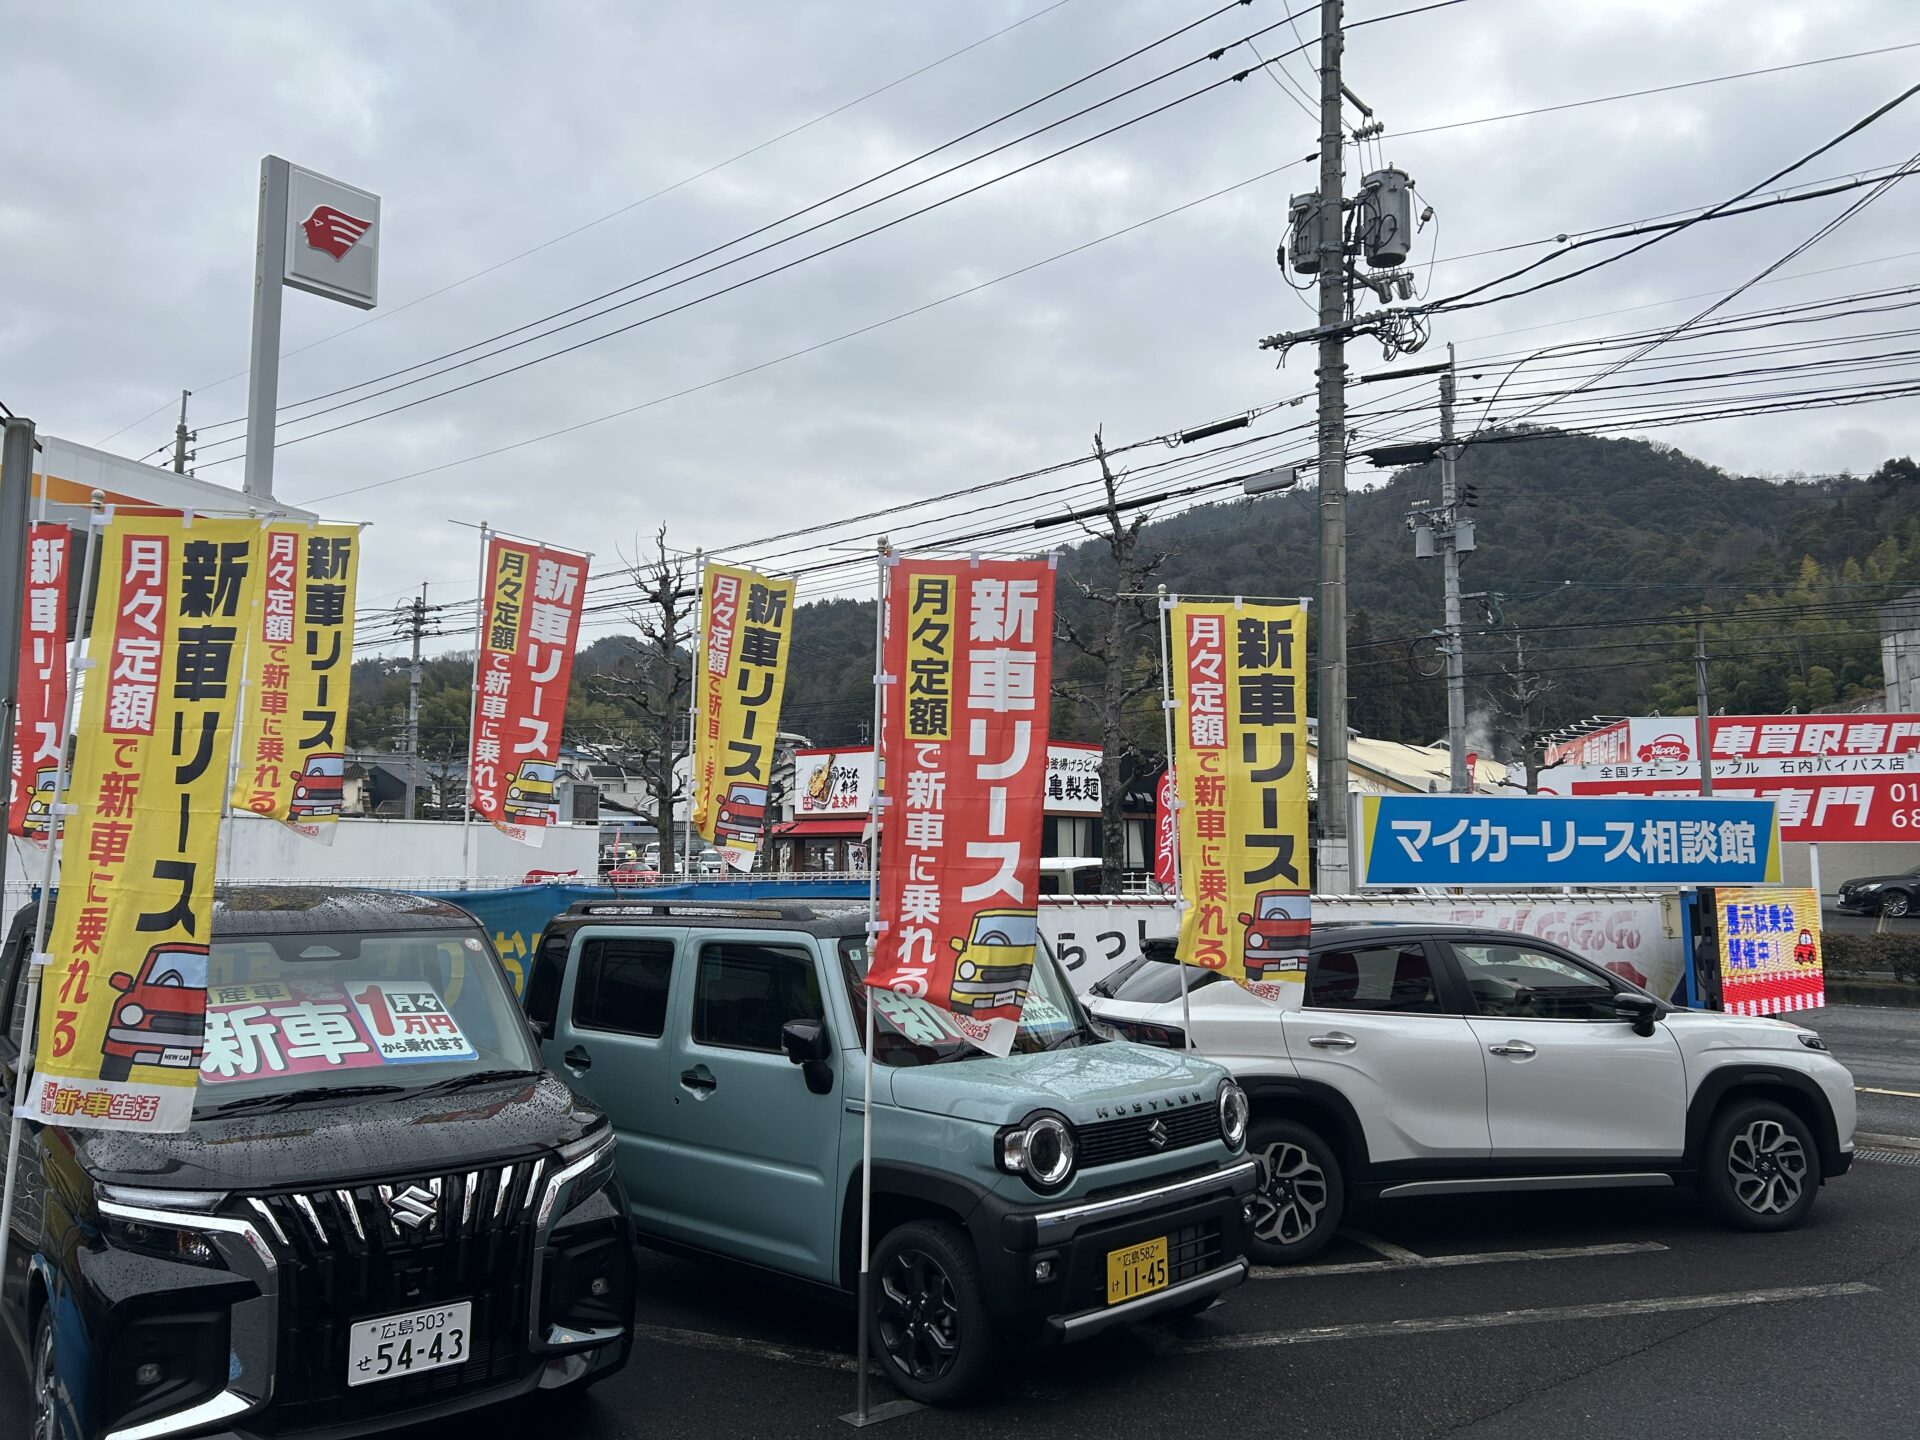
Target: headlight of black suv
(1040, 1148)
(1234, 1110)
(585, 1165)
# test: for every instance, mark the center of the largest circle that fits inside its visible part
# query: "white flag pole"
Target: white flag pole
(1167, 704)
(880, 682)
(473, 716)
(37, 957)
(693, 711)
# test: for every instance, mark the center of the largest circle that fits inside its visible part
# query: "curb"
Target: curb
(1892, 994)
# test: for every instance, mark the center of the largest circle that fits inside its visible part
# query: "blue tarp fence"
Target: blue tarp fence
(515, 916)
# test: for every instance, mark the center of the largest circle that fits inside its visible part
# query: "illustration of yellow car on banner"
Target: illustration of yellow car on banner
(293, 736)
(1240, 747)
(746, 621)
(123, 1003)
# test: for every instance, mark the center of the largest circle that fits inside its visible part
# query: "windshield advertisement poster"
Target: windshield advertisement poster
(123, 1004)
(1770, 955)
(745, 620)
(1502, 842)
(968, 647)
(1240, 770)
(529, 626)
(293, 734)
(35, 762)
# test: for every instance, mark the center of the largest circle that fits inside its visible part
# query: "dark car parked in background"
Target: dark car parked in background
(1892, 895)
(385, 1209)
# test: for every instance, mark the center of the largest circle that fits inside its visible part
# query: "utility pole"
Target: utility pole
(416, 626)
(180, 437)
(16, 483)
(1333, 770)
(1702, 724)
(1450, 563)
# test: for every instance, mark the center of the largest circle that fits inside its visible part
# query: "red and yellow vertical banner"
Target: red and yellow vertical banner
(293, 726)
(37, 757)
(1240, 744)
(963, 765)
(123, 1002)
(529, 625)
(739, 677)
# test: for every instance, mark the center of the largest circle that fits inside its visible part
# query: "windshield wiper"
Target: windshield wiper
(281, 1099)
(480, 1077)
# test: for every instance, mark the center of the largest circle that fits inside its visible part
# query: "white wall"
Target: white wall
(419, 852)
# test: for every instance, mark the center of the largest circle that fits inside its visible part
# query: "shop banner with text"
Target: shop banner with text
(1240, 749)
(36, 759)
(1163, 830)
(1770, 956)
(963, 771)
(123, 1003)
(529, 625)
(293, 720)
(740, 675)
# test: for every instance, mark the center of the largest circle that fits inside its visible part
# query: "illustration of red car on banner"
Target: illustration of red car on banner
(739, 676)
(530, 622)
(36, 758)
(969, 647)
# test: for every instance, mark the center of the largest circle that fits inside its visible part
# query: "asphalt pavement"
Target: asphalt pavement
(1631, 1313)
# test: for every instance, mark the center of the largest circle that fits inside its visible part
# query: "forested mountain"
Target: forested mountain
(1577, 538)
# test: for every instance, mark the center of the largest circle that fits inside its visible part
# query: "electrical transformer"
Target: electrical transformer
(1387, 228)
(1304, 223)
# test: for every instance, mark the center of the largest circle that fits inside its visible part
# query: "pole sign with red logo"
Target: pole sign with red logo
(968, 664)
(529, 624)
(36, 758)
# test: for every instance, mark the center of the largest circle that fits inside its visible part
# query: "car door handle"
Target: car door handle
(1518, 1048)
(698, 1078)
(1335, 1041)
(578, 1058)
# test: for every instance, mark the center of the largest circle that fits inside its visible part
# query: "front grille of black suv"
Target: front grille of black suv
(1108, 1142)
(368, 1251)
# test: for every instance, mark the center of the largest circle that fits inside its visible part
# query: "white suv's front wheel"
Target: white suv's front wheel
(1302, 1194)
(1761, 1169)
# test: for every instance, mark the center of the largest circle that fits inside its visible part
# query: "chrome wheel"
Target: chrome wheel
(1293, 1193)
(918, 1317)
(43, 1384)
(1768, 1167)
(1895, 903)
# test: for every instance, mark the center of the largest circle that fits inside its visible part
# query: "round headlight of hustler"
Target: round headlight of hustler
(967, 970)
(1041, 1149)
(131, 1015)
(1255, 941)
(1233, 1114)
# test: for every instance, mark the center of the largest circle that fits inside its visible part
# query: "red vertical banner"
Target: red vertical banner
(37, 757)
(963, 767)
(1164, 831)
(529, 626)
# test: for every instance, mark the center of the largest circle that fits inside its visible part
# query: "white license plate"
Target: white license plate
(408, 1343)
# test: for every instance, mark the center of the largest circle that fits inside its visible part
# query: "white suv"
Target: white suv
(1434, 1060)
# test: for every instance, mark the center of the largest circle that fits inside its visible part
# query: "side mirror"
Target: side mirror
(805, 1041)
(1640, 1009)
(542, 1030)
(1246, 919)
(122, 982)
(956, 944)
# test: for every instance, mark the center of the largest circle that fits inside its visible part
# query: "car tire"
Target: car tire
(929, 1327)
(1761, 1169)
(1895, 903)
(115, 1068)
(41, 1379)
(1302, 1196)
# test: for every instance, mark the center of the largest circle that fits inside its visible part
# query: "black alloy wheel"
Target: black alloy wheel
(44, 1388)
(1302, 1194)
(930, 1329)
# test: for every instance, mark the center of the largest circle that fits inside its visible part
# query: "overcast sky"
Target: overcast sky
(126, 229)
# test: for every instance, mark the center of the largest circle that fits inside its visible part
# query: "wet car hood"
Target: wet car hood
(1085, 1083)
(324, 1144)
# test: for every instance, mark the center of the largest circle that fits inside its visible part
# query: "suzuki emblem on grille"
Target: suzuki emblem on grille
(1158, 1134)
(413, 1206)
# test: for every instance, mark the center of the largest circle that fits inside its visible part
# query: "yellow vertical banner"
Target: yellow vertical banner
(1239, 761)
(740, 674)
(123, 1003)
(292, 738)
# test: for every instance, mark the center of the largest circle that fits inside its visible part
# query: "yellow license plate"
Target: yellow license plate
(1137, 1270)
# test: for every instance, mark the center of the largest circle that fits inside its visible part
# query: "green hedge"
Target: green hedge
(1873, 954)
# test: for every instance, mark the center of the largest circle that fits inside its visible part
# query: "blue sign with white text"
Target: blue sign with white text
(1497, 841)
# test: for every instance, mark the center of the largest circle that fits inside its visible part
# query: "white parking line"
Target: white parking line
(1875, 1090)
(1442, 1262)
(1371, 1329)
(1386, 1248)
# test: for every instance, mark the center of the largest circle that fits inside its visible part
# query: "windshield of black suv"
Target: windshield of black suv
(1153, 979)
(911, 1031)
(321, 1011)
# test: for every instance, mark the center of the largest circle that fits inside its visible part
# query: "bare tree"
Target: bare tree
(651, 688)
(1516, 698)
(1117, 645)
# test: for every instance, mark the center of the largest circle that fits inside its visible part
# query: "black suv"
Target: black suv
(384, 1211)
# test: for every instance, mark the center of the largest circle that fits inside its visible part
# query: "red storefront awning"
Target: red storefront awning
(823, 827)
